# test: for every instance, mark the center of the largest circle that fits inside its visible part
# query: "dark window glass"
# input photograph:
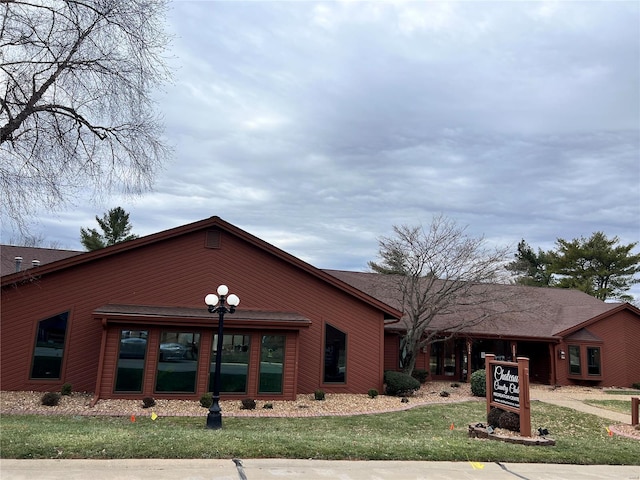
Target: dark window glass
(593, 360)
(49, 348)
(234, 368)
(335, 355)
(574, 360)
(271, 364)
(131, 357)
(177, 362)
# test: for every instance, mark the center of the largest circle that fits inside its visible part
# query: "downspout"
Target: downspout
(103, 346)
(469, 345)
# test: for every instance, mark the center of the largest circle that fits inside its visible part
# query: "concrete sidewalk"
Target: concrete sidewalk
(574, 399)
(264, 469)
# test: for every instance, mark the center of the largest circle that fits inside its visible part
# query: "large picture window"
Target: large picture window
(177, 362)
(234, 368)
(131, 357)
(335, 355)
(48, 352)
(271, 364)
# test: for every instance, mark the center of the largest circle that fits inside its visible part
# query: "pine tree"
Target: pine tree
(115, 229)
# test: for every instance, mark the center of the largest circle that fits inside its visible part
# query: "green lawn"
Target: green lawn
(419, 434)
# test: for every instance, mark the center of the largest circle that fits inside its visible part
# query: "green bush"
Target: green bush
(206, 400)
(319, 394)
(248, 404)
(373, 393)
(510, 421)
(420, 375)
(50, 399)
(479, 383)
(66, 389)
(148, 402)
(399, 383)
(636, 385)
(493, 417)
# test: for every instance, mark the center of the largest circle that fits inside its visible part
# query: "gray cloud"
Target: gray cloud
(317, 126)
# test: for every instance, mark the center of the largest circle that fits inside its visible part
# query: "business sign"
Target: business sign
(508, 389)
(506, 385)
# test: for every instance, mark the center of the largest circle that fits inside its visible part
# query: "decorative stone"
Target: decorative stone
(480, 431)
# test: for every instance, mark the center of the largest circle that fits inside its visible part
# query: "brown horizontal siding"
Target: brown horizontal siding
(180, 272)
(631, 344)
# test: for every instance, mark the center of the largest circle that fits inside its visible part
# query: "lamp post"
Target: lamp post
(217, 305)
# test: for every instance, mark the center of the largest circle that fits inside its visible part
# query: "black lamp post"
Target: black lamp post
(216, 305)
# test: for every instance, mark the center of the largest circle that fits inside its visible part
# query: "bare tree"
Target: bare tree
(444, 280)
(76, 108)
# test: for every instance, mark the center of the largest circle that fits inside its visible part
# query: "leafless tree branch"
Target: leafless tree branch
(76, 111)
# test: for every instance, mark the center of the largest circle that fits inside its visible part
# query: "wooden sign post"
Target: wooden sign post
(508, 389)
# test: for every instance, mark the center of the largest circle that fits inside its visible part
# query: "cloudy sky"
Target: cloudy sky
(318, 126)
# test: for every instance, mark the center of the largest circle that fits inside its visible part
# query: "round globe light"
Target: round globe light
(233, 300)
(211, 299)
(223, 290)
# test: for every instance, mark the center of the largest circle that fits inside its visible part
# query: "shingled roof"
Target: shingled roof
(514, 311)
(8, 254)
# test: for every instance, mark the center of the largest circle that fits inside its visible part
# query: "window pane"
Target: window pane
(271, 364)
(234, 368)
(335, 355)
(178, 362)
(133, 350)
(49, 348)
(574, 360)
(593, 360)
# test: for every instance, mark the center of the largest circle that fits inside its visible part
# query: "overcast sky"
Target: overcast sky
(318, 126)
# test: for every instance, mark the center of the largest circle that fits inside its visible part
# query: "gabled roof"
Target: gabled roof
(514, 311)
(615, 308)
(8, 254)
(212, 222)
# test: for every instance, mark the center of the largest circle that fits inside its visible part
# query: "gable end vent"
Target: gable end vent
(213, 239)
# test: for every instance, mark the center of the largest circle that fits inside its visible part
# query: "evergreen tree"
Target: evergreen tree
(597, 265)
(531, 268)
(115, 229)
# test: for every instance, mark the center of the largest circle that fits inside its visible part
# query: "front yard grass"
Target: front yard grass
(621, 406)
(422, 433)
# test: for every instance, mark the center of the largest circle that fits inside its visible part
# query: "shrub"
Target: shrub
(373, 393)
(66, 389)
(206, 400)
(510, 421)
(444, 393)
(420, 375)
(636, 385)
(268, 406)
(50, 399)
(479, 383)
(400, 384)
(493, 417)
(148, 402)
(248, 404)
(318, 394)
